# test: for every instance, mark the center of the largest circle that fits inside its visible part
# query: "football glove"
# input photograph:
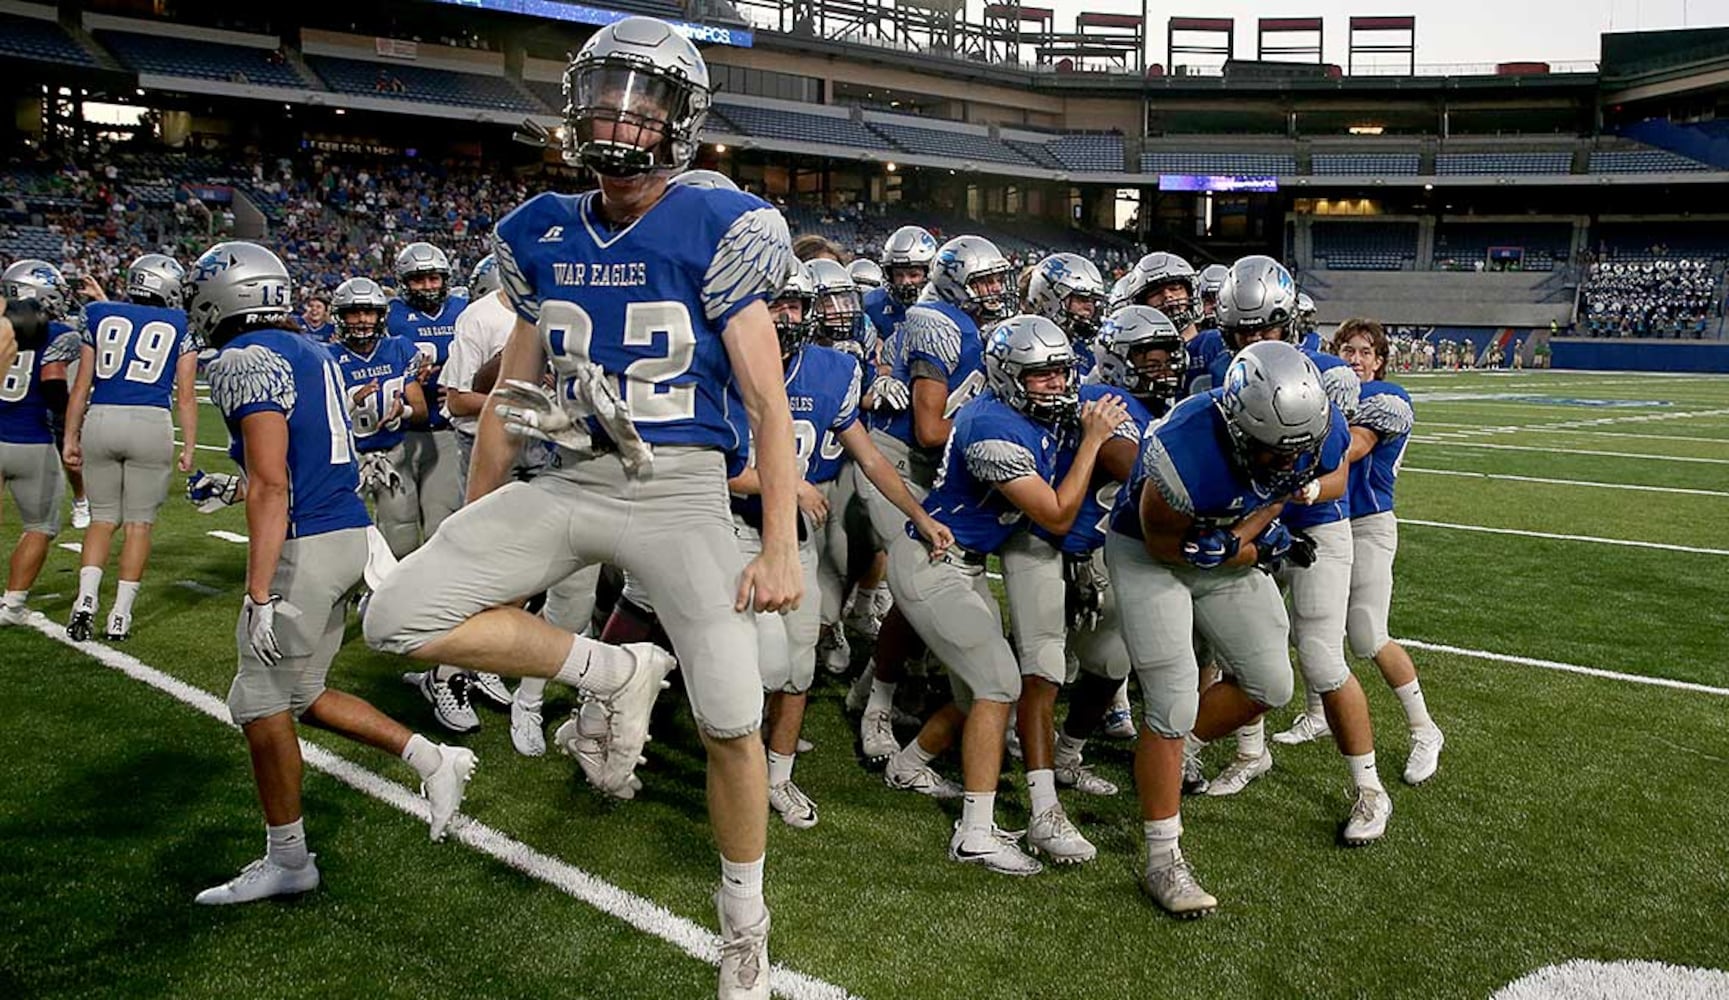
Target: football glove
(530, 410)
(1302, 552)
(258, 621)
(890, 393)
(1209, 548)
(378, 475)
(1084, 593)
(212, 491)
(1272, 545)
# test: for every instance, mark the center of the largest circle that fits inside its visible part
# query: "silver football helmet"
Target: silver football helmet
(156, 278)
(866, 273)
(1277, 414)
(484, 279)
(907, 257)
(839, 312)
(418, 259)
(1067, 290)
(1123, 348)
(1174, 282)
(793, 333)
(350, 299)
(236, 280)
(711, 180)
(1258, 294)
(1122, 291)
(1306, 313)
(37, 279)
(635, 97)
(970, 272)
(1212, 278)
(1031, 345)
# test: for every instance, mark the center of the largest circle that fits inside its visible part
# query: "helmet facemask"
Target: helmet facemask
(985, 303)
(906, 281)
(837, 318)
(1083, 312)
(626, 117)
(358, 328)
(1180, 310)
(426, 300)
(1156, 380)
(791, 312)
(1061, 407)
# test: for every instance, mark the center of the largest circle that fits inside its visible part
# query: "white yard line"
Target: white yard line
(228, 536)
(204, 447)
(1453, 442)
(1565, 538)
(643, 914)
(73, 546)
(1567, 482)
(1571, 668)
(1545, 429)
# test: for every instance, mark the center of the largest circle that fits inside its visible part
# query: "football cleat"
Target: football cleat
(119, 628)
(1080, 777)
(744, 968)
(81, 513)
(877, 735)
(1053, 835)
(1170, 882)
(868, 609)
(260, 880)
(1238, 773)
(1369, 816)
(1120, 724)
(490, 689)
(805, 746)
(1305, 729)
(526, 734)
(81, 626)
(909, 776)
(448, 698)
(446, 786)
(627, 714)
(837, 653)
(793, 805)
(1425, 757)
(14, 614)
(994, 848)
(1194, 778)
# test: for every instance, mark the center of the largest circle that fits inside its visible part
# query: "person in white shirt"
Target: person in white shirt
(481, 330)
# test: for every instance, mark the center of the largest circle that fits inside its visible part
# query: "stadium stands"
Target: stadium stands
(1662, 297)
(1365, 246)
(1365, 164)
(944, 142)
(408, 82)
(1500, 164)
(795, 126)
(191, 57)
(39, 40)
(1465, 245)
(1254, 164)
(1088, 152)
(1641, 161)
(1040, 154)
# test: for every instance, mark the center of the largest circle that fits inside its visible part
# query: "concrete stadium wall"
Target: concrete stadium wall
(1639, 355)
(1435, 298)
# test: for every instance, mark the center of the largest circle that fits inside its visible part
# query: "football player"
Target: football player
(1306, 336)
(33, 395)
(867, 274)
(424, 313)
(653, 297)
(1169, 284)
(1187, 540)
(137, 360)
(999, 474)
(1066, 289)
(1211, 279)
(281, 397)
(906, 264)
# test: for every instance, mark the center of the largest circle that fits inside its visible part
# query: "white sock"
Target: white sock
(1363, 771)
(15, 598)
(1312, 706)
(1416, 710)
(596, 667)
(89, 585)
(1120, 700)
(1042, 789)
(423, 755)
(1252, 740)
(917, 755)
(125, 592)
(882, 697)
(1069, 749)
(1193, 745)
(530, 692)
(978, 811)
(1162, 836)
(286, 844)
(780, 767)
(741, 891)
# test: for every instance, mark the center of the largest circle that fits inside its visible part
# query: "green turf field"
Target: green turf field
(1573, 817)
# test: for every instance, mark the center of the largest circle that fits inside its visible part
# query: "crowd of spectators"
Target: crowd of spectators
(1671, 297)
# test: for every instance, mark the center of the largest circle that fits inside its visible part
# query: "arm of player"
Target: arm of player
(1054, 509)
(1363, 441)
(265, 437)
(185, 405)
(858, 444)
(774, 580)
(1331, 487)
(930, 399)
(8, 339)
(415, 409)
(73, 452)
(494, 449)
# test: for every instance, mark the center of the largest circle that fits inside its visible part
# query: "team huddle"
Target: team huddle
(644, 398)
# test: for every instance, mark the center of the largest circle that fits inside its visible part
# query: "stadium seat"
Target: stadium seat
(1365, 246)
(1366, 164)
(953, 144)
(1102, 153)
(1498, 164)
(38, 40)
(409, 82)
(797, 126)
(1224, 164)
(191, 57)
(1461, 245)
(1641, 161)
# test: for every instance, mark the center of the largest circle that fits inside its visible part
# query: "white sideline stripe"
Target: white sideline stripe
(1568, 482)
(643, 914)
(1544, 429)
(229, 536)
(200, 588)
(204, 447)
(1570, 668)
(1453, 443)
(73, 546)
(1566, 538)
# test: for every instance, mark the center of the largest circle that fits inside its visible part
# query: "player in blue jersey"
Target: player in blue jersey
(314, 320)
(1208, 283)
(999, 475)
(281, 398)
(1306, 336)
(1169, 284)
(33, 396)
(424, 313)
(867, 274)
(1380, 431)
(654, 297)
(1188, 535)
(906, 264)
(137, 361)
(1066, 289)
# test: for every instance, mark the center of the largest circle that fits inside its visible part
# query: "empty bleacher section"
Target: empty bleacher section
(1505, 163)
(420, 84)
(793, 126)
(1365, 246)
(951, 143)
(1465, 246)
(205, 60)
(1366, 164)
(1102, 153)
(1641, 161)
(1040, 154)
(1439, 298)
(1250, 164)
(1652, 240)
(40, 40)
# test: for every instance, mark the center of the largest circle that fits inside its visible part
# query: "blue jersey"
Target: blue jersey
(431, 335)
(324, 333)
(1085, 360)
(274, 371)
(1333, 451)
(1094, 519)
(992, 443)
(1187, 458)
(392, 363)
(137, 349)
(823, 387)
(1385, 409)
(937, 341)
(646, 303)
(1338, 379)
(884, 312)
(1202, 355)
(1310, 343)
(23, 410)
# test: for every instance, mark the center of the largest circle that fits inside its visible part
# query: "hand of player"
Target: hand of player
(212, 491)
(1101, 417)
(362, 393)
(1308, 493)
(891, 393)
(90, 290)
(936, 535)
(1272, 545)
(813, 503)
(187, 457)
(72, 456)
(1209, 548)
(529, 410)
(1302, 552)
(773, 581)
(1084, 591)
(258, 622)
(392, 412)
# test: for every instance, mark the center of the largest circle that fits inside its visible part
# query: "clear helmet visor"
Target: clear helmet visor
(623, 117)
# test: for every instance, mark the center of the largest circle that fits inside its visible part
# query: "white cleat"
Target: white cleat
(447, 785)
(489, 688)
(996, 849)
(1194, 777)
(1120, 724)
(1081, 778)
(921, 778)
(868, 609)
(1171, 883)
(744, 968)
(10, 615)
(837, 657)
(589, 750)
(119, 628)
(627, 712)
(260, 880)
(793, 805)
(1052, 834)
(1369, 816)
(1238, 773)
(526, 733)
(1425, 757)
(448, 698)
(877, 735)
(1306, 729)
(81, 513)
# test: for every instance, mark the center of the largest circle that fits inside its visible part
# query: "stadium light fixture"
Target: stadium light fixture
(1428, 187)
(342, 111)
(891, 168)
(1366, 129)
(720, 147)
(140, 91)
